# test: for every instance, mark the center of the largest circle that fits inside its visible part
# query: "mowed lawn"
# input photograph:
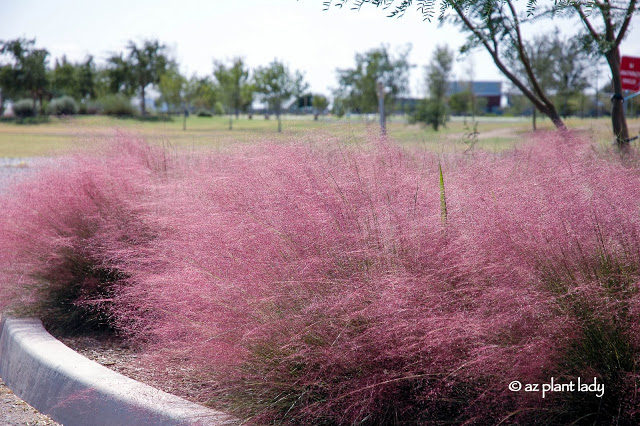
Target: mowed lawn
(63, 135)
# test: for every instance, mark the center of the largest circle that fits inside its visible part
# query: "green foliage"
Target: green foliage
(64, 105)
(460, 103)
(172, 87)
(559, 65)
(320, 104)
(430, 112)
(275, 85)
(218, 108)
(201, 93)
(358, 85)
(438, 72)
(433, 111)
(235, 88)
(25, 74)
(24, 108)
(143, 66)
(118, 105)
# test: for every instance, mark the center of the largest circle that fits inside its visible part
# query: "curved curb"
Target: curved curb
(76, 391)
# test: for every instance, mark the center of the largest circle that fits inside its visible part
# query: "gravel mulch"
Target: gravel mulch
(16, 412)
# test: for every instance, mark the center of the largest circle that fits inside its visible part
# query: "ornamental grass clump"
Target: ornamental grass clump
(322, 285)
(66, 231)
(327, 284)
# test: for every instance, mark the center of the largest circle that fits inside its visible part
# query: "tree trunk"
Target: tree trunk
(230, 121)
(143, 109)
(618, 119)
(537, 96)
(551, 112)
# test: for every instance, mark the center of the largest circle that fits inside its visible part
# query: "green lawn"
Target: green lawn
(61, 135)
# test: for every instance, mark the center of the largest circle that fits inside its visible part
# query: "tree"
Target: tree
(357, 86)
(86, 76)
(319, 103)
(559, 65)
(119, 75)
(571, 66)
(461, 102)
(143, 67)
(63, 79)
(75, 80)
(605, 26)
(437, 80)
(202, 93)
(172, 87)
(233, 82)
(275, 85)
(300, 87)
(26, 71)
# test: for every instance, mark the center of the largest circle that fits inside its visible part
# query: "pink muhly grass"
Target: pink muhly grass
(65, 230)
(308, 284)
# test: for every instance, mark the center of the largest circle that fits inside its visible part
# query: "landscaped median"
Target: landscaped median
(76, 391)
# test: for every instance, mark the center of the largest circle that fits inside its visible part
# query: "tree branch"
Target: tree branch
(587, 23)
(523, 56)
(496, 59)
(625, 24)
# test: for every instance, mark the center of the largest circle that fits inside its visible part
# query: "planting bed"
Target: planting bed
(341, 284)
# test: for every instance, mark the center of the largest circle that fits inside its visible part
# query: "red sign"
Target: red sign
(630, 73)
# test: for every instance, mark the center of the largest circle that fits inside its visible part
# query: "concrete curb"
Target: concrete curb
(76, 391)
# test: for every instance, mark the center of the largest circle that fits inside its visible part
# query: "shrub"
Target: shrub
(204, 113)
(430, 112)
(90, 107)
(64, 105)
(118, 105)
(218, 108)
(24, 108)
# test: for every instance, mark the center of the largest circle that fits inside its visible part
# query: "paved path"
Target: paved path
(16, 412)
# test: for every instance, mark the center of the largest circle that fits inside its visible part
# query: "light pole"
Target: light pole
(383, 126)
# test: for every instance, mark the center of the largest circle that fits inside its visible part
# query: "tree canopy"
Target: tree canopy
(143, 66)
(25, 71)
(234, 85)
(358, 85)
(275, 85)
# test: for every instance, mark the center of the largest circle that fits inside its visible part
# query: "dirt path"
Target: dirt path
(16, 412)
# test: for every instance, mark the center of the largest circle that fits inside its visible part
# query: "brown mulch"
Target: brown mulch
(126, 360)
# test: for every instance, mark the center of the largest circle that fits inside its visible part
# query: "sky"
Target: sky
(297, 32)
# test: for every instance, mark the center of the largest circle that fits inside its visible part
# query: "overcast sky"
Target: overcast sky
(197, 32)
